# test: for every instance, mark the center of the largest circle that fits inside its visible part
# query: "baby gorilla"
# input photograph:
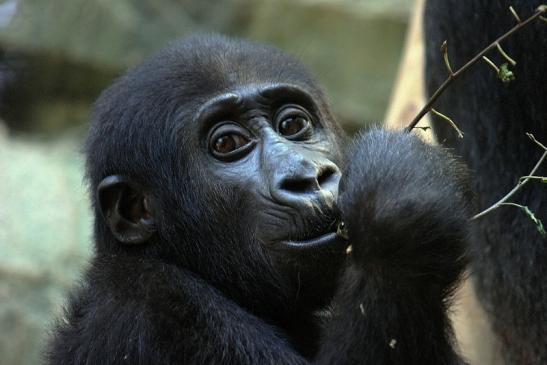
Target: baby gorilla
(214, 170)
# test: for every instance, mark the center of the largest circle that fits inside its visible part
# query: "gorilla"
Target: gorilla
(509, 255)
(235, 223)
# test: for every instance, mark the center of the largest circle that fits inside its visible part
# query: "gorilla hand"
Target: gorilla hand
(406, 206)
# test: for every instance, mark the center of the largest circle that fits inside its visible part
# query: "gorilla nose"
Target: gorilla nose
(307, 181)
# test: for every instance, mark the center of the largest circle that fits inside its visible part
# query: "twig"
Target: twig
(488, 61)
(515, 14)
(543, 179)
(444, 50)
(531, 215)
(513, 205)
(505, 55)
(452, 76)
(514, 190)
(531, 136)
(441, 115)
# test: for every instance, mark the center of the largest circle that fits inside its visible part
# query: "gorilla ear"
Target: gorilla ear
(127, 209)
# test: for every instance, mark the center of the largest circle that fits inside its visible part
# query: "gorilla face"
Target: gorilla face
(226, 163)
(272, 140)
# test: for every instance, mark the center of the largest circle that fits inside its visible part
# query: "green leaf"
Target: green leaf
(505, 74)
(342, 231)
(538, 223)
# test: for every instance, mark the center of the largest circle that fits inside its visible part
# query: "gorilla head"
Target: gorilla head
(223, 157)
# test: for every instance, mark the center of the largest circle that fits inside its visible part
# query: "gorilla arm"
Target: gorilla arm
(406, 207)
(147, 312)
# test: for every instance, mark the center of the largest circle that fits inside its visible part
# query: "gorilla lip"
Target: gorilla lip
(320, 241)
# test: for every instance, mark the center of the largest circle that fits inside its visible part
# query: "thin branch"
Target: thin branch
(444, 50)
(450, 121)
(543, 179)
(513, 205)
(531, 215)
(531, 136)
(451, 77)
(514, 190)
(505, 55)
(489, 61)
(515, 14)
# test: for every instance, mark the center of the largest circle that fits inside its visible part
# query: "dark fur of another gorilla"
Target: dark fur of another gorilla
(214, 169)
(509, 263)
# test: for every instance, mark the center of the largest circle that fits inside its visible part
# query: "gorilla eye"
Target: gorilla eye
(229, 142)
(293, 122)
(292, 126)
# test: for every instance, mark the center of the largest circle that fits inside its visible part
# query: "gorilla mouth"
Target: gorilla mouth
(326, 239)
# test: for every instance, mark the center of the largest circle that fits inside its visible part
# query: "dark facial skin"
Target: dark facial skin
(271, 139)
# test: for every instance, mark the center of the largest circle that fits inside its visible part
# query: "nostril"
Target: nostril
(325, 175)
(299, 185)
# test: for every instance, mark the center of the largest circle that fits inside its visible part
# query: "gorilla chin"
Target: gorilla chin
(314, 233)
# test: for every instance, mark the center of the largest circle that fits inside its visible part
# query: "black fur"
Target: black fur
(509, 254)
(406, 206)
(205, 290)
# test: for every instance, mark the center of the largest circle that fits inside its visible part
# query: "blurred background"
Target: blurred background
(55, 58)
